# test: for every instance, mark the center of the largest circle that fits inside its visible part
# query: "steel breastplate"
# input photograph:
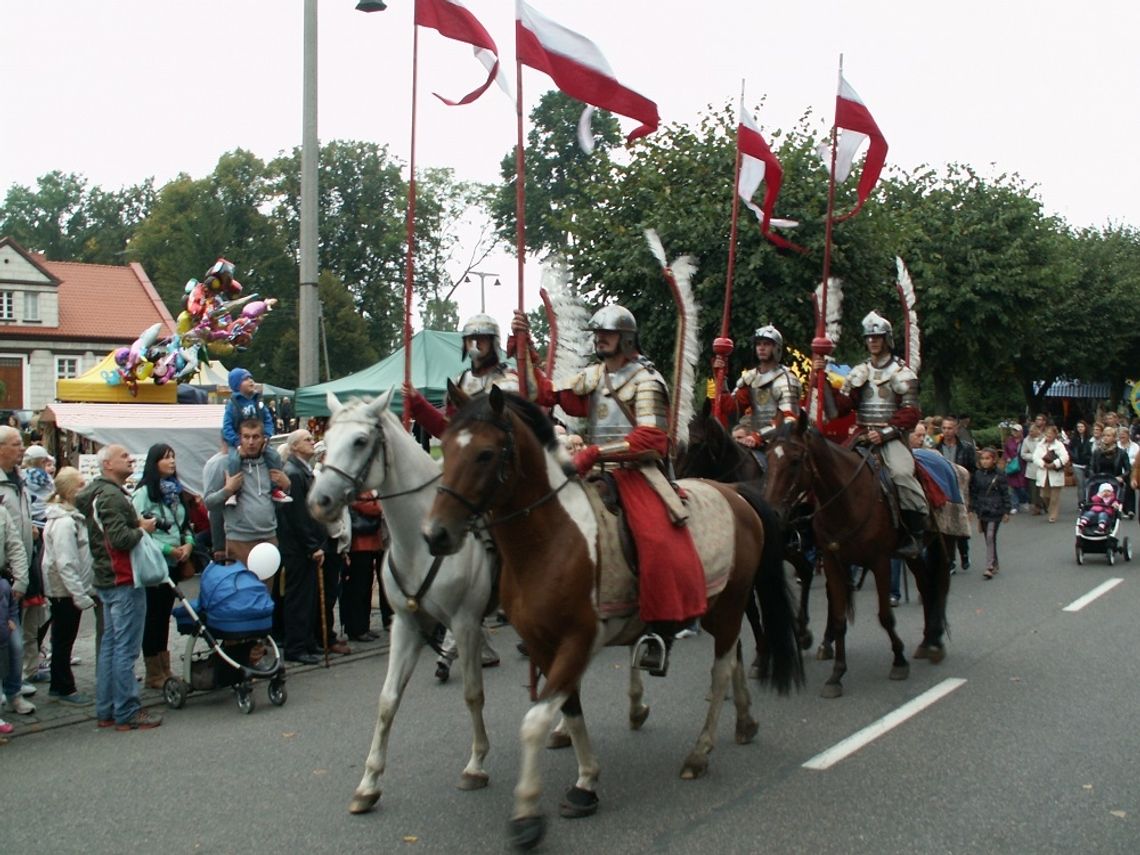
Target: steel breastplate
(505, 378)
(770, 393)
(878, 400)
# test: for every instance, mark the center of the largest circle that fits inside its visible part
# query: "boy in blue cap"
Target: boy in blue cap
(245, 403)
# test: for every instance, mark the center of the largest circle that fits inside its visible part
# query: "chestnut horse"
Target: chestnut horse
(853, 525)
(503, 463)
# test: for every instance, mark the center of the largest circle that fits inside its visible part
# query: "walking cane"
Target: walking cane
(324, 616)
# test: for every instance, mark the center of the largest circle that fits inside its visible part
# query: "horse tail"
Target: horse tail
(938, 575)
(783, 660)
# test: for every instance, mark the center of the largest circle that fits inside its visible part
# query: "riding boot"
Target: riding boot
(913, 525)
(165, 657)
(154, 677)
(651, 652)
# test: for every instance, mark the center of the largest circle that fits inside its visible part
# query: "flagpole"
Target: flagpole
(723, 346)
(409, 266)
(521, 342)
(821, 345)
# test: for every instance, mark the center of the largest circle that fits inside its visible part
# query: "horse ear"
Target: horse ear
(380, 404)
(333, 403)
(456, 395)
(498, 400)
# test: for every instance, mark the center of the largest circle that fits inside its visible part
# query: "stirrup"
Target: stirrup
(910, 547)
(650, 654)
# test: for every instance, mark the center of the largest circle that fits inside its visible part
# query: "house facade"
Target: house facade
(58, 319)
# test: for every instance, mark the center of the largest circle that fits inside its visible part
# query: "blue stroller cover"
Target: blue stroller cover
(232, 600)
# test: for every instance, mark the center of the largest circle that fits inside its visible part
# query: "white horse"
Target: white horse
(368, 449)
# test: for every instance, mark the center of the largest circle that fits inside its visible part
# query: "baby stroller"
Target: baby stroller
(233, 616)
(1090, 539)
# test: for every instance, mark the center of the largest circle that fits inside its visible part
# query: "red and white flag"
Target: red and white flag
(857, 125)
(578, 68)
(758, 164)
(453, 20)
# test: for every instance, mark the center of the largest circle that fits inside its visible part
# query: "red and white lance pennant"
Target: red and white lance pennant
(580, 70)
(453, 20)
(759, 165)
(858, 125)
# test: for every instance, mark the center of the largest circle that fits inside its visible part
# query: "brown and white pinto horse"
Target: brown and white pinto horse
(853, 526)
(503, 463)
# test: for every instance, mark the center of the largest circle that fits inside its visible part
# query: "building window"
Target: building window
(66, 367)
(7, 305)
(31, 306)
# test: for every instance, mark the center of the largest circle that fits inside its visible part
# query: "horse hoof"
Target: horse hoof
(933, 652)
(746, 731)
(696, 765)
(558, 739)
(831, 690)
(806, 641)
(363, 802)
(527, 832)
(900, 672)
(578, 803)
(637, 718)
(825, 652)
(754, 672)
(473, 780)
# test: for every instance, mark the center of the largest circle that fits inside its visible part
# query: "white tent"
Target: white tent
(194, 432)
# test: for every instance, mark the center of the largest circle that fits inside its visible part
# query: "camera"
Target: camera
(161, 525)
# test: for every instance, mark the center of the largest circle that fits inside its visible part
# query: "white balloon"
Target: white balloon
(264, 559)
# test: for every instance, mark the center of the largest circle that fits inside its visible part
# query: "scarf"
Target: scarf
(171, 488)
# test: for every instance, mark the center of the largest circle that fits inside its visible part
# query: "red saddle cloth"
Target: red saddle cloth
(672, 578)
(934, 493)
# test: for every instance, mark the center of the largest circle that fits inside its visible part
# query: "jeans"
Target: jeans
(116, 692)
(15, 677)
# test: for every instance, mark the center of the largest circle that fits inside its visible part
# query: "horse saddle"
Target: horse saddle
(883, 477)
(605, 488)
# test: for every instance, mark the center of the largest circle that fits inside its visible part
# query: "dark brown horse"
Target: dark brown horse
(503, 464)
(853, 525)
(711, 452)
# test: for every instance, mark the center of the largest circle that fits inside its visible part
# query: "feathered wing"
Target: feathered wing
(912, 334)
(686, 351)
(572, 345)
(833, 318)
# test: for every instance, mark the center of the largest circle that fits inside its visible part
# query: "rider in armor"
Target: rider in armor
(883, 391)
(481, 346)
(626, 403)
(771, 391)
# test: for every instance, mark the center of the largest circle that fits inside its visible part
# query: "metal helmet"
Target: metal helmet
(773, 335)
(481, 324)
(615, 318)
(876, 324)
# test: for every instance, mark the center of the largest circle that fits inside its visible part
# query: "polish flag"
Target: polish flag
(578, 69)
(454, 21)
(857, 124)
(758, 164)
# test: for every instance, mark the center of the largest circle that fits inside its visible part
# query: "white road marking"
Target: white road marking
(844, 749)
(1079, 603)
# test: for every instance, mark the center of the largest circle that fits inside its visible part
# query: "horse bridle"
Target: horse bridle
(811, 468)
(379, 444)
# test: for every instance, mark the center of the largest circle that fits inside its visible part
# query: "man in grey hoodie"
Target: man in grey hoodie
(253, 520)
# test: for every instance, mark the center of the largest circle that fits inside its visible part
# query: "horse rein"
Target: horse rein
(865, 461)
(380, 444)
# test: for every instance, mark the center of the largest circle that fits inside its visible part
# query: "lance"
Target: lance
(723, 344)
(409, 265)
(522, 343)
(821, 345)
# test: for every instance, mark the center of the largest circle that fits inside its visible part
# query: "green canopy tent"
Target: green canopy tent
(436, 357)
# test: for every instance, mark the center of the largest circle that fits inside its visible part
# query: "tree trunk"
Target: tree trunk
(941, 391)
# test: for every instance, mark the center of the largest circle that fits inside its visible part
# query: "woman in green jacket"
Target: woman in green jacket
(161, 495)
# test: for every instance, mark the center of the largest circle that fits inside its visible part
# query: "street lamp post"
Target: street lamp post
(482, 290)
(308, 308)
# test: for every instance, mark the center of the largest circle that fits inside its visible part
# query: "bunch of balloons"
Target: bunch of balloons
(215, 321)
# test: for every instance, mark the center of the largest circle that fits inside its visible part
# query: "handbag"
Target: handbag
(148, 564)
(1013, 466)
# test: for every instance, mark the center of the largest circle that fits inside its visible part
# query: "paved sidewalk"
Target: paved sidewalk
(50, 714)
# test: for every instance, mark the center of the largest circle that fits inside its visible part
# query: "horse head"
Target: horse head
(789, 465)
(357, 455)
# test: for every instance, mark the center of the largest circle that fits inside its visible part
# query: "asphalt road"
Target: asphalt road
(1037, 751)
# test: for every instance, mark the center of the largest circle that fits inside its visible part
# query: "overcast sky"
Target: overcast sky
(122, 90)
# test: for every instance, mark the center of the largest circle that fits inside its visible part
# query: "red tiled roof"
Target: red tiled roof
(99, 302)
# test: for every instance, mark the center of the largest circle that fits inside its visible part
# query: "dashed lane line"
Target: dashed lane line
(1103, 588)
(844, 749)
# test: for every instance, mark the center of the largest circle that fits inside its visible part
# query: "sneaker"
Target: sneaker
(894, 601)
(686, 633)
(1013, 510)
(76, 660)
(75, 699)
(27, 689)
(338, 647)
(231, 502)
(42, 675)
(142, 720)
(105, 723)
(280, 496)
(21, 707)
(965, 564)
(5, 728)
(490, 659)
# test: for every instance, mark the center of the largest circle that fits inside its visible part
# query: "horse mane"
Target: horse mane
(478, 408)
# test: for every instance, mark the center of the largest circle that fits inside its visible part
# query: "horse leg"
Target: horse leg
(528, 825)
(932, 578)
(838, 583)
(746, 726)
(581, 799)
(559, 737)
(403, 654)
(638, 712)
(759, 668)
(881, 567)
(697, 763)
(804, 572)
(469, 639)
